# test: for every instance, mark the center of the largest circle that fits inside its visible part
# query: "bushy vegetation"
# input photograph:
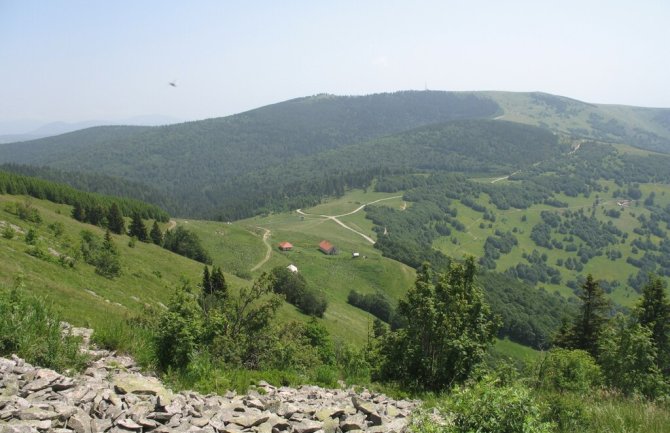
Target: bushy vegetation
(30, 328)
(448, 328)
(185, 243)
(486, 406)
(376, 304)
(15, 184)
(294, 287)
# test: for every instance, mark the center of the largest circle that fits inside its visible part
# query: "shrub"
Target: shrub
(485, 407)
(30, 328)
(568, 370)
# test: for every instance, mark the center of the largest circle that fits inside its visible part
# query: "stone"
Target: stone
(100, 425)
(331, 425)
(199, 422)
(363, 406)
(354, 422)
(328, 413)
(33, 413)
(128, 424)
(250, 421)
(266, 427)
(127, 383)
(80, 422)
(398, 425)
(255, 403)
(307, 426)
(391, 411)
(374, 418)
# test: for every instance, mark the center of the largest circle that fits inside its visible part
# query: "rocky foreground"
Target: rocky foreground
(113, 396)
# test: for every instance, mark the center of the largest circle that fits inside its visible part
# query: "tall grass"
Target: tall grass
(30, 328)
(628, 415)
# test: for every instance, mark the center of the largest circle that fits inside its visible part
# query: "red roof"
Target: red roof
(326, 246)
(285, 245)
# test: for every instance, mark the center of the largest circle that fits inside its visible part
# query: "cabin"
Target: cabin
(285, 246)
(328, 248)
(293, 268)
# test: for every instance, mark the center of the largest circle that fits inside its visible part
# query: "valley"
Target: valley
(338, 238)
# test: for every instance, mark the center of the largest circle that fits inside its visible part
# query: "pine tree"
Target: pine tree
(156, 235)
(78, 212)
(108, 263)
(206, 282)
(95, 215)
(592, 317)
(653, 312)
(138, 229)
(115, 221)
(219, 285)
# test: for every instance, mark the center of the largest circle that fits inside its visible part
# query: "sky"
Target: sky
(71, 60)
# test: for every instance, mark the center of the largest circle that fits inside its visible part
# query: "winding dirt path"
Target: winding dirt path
(268, 253)
(171, 224)
(337, 221)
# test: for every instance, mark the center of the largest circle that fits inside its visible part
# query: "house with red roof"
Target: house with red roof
(328, 248)
(285, 246)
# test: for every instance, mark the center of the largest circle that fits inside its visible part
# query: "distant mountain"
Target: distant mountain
(34, 132)
(208, 166)
(646, 128)
(190, 160)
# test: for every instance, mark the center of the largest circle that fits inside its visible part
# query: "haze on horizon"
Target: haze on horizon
(77, 60)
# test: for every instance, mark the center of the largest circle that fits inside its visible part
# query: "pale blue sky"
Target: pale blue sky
(78, 60)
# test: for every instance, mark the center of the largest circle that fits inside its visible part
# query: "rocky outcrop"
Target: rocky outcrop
(113, 396)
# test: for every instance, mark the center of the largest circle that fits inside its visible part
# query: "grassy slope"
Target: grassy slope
(472, 240)
(150, 273)
(238, 247)
(568, 115)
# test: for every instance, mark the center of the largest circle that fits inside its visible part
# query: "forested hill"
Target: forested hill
(188, 159)
(465, 146)
(316, 146)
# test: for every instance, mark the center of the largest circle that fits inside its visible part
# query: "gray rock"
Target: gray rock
(33, 413)
(398, 425)
(100, 425)
(363, 406)
(307, 426)
(199, 422)
(128, 424)
(80, 422)
(354, 422)
(250, 421)
(17, 428)
(254, 403)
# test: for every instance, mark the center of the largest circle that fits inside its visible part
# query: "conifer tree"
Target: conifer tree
(218, 282)
(107, 262)
(156, 235)
(138, 229)
(115, 221)
(78, 212)
(653, 312)
(206, 282)
(95, 215)
(592, 317)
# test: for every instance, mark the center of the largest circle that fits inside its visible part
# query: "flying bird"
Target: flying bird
(173, 83)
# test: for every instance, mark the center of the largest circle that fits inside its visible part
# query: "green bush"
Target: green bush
(485, 407)
(568, 411)
(568, 370)
(30, 328)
